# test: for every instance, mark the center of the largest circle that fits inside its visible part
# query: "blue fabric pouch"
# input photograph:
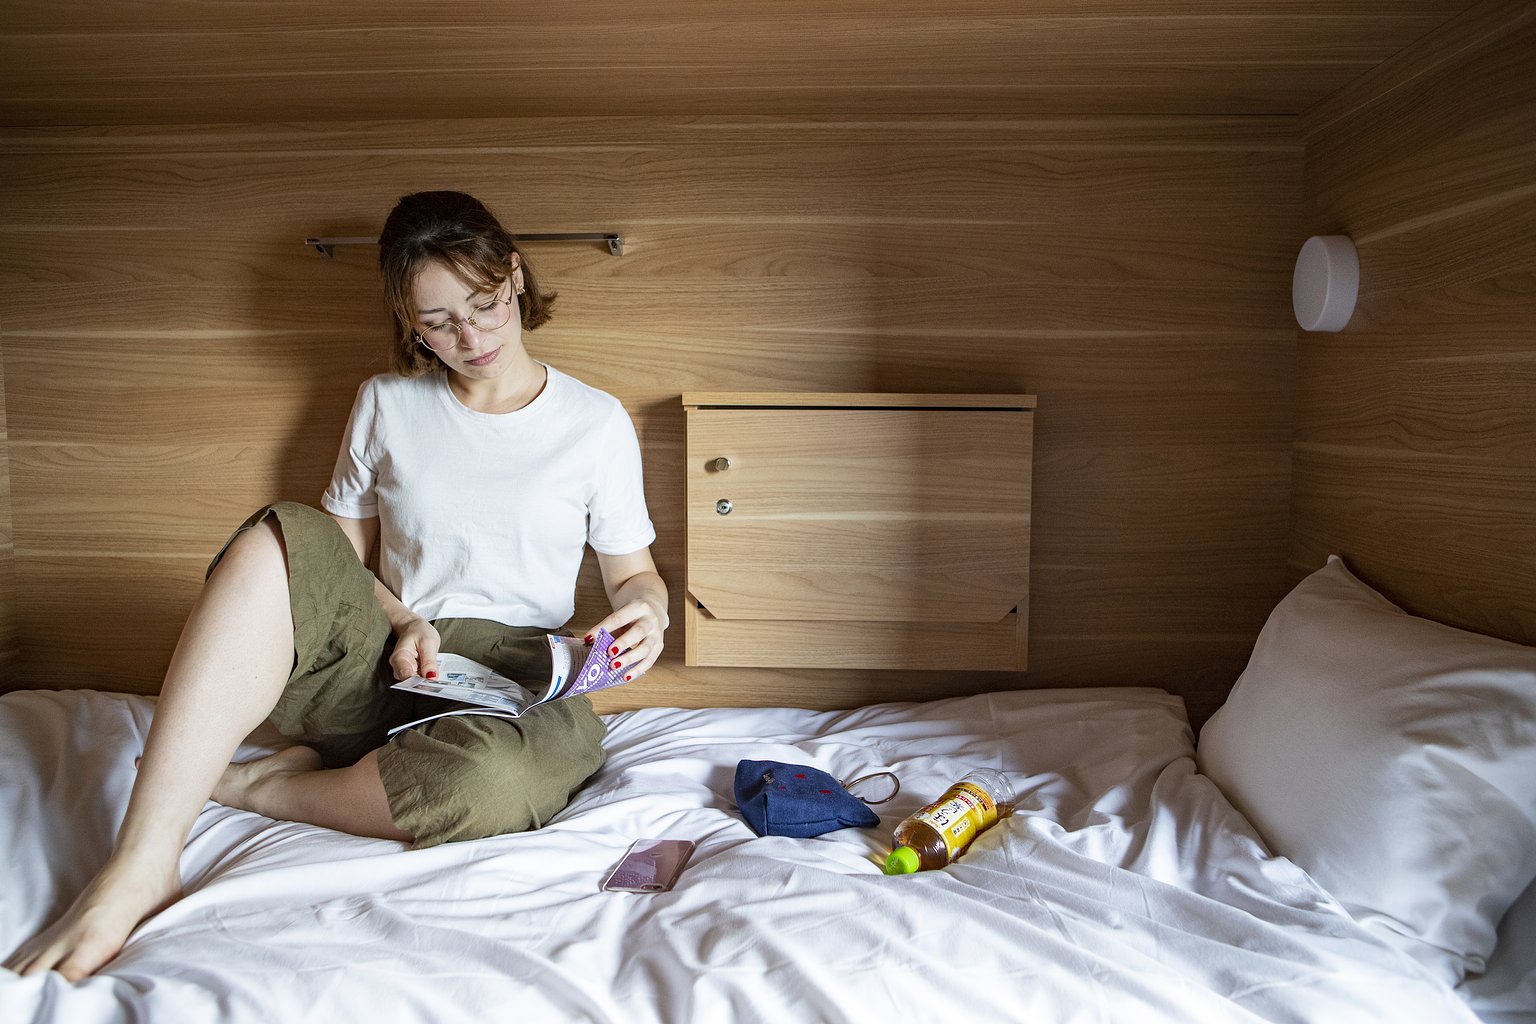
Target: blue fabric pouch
(796, 800)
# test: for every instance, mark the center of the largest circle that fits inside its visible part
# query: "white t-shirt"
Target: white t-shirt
(487, 515)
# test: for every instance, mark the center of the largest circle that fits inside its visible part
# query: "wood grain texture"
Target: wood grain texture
(1453, 141)
(510, 135)
(277, 60)
(977, 646)
(135, 605)
(34, 16)
(862, 530)
(839, 568)
(1447, 537)
(1132, 272)
(1415, 425)
(812, 400)
(10, 639)
(1473, 28)
(615, 186)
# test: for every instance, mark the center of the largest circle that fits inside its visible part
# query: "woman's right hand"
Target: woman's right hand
(416, 648)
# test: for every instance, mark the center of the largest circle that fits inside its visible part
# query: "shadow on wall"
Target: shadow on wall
(337, 335)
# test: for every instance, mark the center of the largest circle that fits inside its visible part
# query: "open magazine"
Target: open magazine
(575, 668)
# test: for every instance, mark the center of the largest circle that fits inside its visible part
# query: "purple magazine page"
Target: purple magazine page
(596, 673)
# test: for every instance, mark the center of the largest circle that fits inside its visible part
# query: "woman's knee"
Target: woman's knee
(255, 549)
(546, 774)
(469, 777)
(261, 538)
(497, 798)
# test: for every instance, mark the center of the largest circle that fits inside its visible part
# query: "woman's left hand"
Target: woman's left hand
(637, 632)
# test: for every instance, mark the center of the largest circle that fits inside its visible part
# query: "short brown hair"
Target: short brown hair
(458, 231)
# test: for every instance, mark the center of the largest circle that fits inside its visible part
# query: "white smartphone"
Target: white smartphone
(650, 865)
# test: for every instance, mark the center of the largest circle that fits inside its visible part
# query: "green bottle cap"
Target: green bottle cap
(902, 861)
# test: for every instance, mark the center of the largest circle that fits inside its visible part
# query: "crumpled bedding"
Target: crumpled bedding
(1124, 888)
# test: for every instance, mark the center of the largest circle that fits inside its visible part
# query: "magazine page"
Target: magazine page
(461, 679)
(597, 671)
(469, 682)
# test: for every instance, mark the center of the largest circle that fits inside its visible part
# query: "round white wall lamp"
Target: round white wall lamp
(1326, 283)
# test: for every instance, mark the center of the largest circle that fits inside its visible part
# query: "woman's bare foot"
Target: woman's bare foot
(240, 783)
(94, 929)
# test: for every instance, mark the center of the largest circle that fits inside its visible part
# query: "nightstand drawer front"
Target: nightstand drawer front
(813, 522)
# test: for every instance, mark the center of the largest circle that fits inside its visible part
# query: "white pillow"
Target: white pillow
(1393, 758)
(1508, 989)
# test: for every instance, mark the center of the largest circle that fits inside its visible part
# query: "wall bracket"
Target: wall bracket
(615, 242)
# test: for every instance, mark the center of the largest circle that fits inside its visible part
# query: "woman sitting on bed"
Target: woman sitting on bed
(472, 477)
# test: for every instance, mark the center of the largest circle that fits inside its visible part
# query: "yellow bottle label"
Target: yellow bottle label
(961, 813)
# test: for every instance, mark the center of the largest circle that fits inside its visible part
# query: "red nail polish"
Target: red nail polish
(613, 650)
(589, 638)
(628, 678)
(617, 665)
(431, 675)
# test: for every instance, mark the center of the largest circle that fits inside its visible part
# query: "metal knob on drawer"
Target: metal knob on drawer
(723, 506)
(720, 465)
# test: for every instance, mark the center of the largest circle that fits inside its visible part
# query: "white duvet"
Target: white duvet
(1124, 889)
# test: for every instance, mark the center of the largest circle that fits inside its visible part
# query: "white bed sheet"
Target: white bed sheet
(1125, 888)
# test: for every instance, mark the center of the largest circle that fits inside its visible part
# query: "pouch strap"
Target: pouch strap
(895, 786)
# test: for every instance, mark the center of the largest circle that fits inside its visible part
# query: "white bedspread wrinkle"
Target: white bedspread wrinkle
(1124, 889)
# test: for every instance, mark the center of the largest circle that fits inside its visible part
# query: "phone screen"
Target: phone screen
(651, 865)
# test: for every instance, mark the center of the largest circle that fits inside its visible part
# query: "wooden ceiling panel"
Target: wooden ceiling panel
(64, 16)
(183, 61)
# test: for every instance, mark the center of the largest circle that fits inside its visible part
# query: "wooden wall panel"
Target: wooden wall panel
(175, 356)
(10, 649)
(1416, 427)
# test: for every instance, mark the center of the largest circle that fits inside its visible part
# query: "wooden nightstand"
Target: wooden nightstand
(858, 530)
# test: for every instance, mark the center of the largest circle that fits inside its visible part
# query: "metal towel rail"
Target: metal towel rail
(615, 242)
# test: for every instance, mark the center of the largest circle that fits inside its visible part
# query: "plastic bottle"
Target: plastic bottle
(940, 832)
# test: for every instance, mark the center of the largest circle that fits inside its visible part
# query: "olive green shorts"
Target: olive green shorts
(465, 777)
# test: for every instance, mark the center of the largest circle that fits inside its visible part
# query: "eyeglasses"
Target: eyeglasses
(488, 316)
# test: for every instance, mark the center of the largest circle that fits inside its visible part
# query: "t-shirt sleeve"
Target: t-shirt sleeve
(351, 492)
(618, 521)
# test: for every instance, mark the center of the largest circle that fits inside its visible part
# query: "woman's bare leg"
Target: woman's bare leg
(291, 786)
(230, 665)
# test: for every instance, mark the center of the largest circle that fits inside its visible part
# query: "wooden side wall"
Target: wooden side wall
(174, 356)
(1416, 433)
(10, 650)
